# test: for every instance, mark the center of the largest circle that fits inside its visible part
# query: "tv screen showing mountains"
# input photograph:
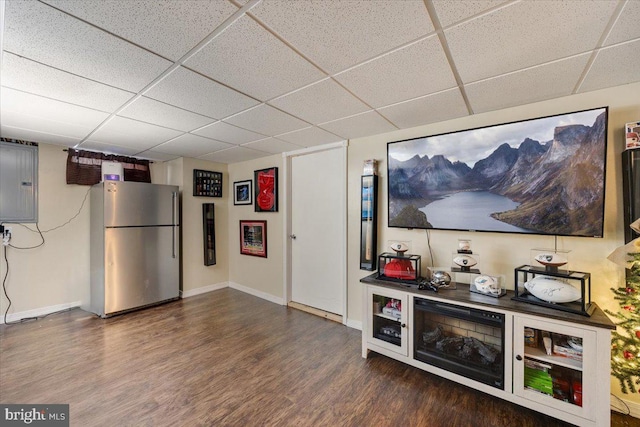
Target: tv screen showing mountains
(540, 176)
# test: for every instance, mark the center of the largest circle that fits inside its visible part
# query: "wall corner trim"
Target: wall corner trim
(204, 289)
(256, 293)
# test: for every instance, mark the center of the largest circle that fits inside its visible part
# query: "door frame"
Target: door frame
(287, 248)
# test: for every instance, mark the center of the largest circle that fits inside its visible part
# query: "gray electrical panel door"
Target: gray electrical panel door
(18, 182)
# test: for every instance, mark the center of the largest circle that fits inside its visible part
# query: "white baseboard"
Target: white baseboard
(634, 408)
(38, 312)
(204, 289)
(256, 293)
(355, 324)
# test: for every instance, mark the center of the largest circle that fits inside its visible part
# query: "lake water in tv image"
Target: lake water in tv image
(471, 210)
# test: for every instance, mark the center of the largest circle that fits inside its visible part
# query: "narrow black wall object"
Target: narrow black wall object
(631, 191)
(369, 222)
(209, 233)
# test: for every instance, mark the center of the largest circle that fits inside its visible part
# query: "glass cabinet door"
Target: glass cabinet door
(555, 365)
(387, 317)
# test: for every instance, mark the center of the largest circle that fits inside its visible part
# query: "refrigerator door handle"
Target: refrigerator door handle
(174, 222)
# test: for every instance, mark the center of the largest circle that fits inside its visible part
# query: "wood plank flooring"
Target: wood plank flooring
(226, 358)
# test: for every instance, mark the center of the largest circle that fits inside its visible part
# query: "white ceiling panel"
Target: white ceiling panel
(266, 120)
(339, 34)
(627, 27)
(234, 155)
(191, 91)
(29, 76)
(551, 81)
(161, 114)
(35, 136)
(272, 145)
(46, 35)
(525, 34)
(28, 111)
(416, 70)
(252, 60)
(310, 136)
(449, 12)
(132, 134)
(225, 132)
(168, 28)
(369, 123)
(320, 102)
(154, 155)
(109, 148)
(190, 145)
(434, 108)
(616, 65)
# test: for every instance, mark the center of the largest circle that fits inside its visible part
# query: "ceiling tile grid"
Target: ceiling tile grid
(190, 145)
(131, 133)
(272, 145)
(369, 123)
(234, 155)
(614, 66)
(161, 114)
(266, 120)
(626, 27)
(168, 28)
(225, 132)
(250, 59)
(309, 137)
(39, 32)
(433, 108)
(451, 12)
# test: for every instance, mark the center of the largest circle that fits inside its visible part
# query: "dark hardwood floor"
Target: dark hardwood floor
(230, 359)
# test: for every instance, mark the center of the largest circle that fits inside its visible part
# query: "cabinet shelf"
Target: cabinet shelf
(386, 316)
(542, 356)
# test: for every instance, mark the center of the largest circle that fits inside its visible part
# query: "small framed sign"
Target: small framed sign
(207, 183)
(253, 238)
(242, 192)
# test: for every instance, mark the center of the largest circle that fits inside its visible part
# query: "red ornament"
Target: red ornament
(630, 290)
(629, 308)
(638, 334)
(628, 355)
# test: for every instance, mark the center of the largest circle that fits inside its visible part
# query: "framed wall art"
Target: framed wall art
(209, 233)
(207, 183)
(266, 192)
(253, 238)
(242, 192)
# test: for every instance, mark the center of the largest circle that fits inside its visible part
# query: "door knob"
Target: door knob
(293, 236)
(518, 358)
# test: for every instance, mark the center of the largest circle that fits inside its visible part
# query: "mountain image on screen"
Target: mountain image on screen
(542, 187)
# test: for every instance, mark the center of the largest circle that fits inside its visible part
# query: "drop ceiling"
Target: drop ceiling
(229, 81)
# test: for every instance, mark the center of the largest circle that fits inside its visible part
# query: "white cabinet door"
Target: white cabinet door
(387, 325)
(565, 379)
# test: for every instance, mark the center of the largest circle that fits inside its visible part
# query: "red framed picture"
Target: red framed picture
(266, 192)
(253, 238)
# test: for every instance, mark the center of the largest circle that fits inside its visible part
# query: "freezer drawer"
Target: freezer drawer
(139, 204)
(141, 267)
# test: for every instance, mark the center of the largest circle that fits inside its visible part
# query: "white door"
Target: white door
(318, 230)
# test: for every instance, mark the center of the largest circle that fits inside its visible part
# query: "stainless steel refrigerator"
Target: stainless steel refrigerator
(135, 245)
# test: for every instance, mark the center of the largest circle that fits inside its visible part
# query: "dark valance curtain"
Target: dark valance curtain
(85, 167)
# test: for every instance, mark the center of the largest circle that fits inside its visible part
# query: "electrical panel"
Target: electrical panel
(18, 182)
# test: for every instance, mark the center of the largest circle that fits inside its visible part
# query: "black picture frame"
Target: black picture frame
(253, 238)
(207, 183)
(243, 192)
(369, 222)
(266, 190)
(209, 233)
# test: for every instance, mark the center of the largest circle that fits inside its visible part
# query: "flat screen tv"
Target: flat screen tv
(538, 176)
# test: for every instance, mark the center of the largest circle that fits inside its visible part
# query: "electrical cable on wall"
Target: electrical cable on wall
(6, 260)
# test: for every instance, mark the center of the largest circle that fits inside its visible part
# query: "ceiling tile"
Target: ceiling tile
(627, 26)
(234, 155)
(616, 65)
(526, 34)
(190, 145)
(416, 70)
(310, 136)
(225, 132)
(46, 35)
(29, 76)
(27, 111)
(366, 124)
(266, 120)
(154, 155)
(161, 114)
(339, 34)
(434, 108)
(193, 92)
(36, 136)
(272, 145)
(320, 102)
(108, 148)
(449, 12)
(550, 81)
(132, 134)
(169, 28)
(252, 60)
